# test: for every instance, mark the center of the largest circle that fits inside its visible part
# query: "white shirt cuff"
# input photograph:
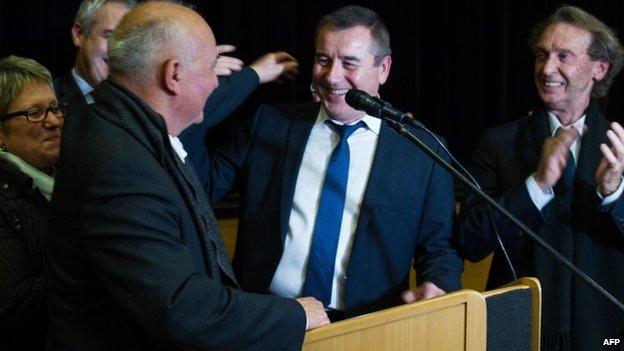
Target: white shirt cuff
(607, 201)
(537, 195)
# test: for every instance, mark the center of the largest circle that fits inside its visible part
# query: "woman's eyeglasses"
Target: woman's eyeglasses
(38, 114)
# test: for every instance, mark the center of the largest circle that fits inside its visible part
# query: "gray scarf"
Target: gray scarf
(126, 110)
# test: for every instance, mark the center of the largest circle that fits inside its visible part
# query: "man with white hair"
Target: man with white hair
(559, 170)
(135, 256)
(94, 23)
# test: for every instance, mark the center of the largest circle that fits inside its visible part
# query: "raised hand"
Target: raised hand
(555, 157)
(227, 64)
(609, 173)
(274, 65)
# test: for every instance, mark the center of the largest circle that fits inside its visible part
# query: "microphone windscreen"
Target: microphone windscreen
(358, 99)
(351, 97)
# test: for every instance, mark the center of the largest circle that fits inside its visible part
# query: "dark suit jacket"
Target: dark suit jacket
(592, 239)
(407, 210)
(231, 93)
(67, 91)
(122, 256)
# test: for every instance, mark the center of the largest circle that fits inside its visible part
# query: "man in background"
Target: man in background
(559, 170)
(95, 23)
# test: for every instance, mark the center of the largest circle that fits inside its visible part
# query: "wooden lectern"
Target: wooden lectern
(455, 321)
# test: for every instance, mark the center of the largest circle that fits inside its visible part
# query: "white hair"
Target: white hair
(85, 17)
(138, 51)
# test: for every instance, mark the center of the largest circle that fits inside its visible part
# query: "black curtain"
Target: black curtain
(460, 66)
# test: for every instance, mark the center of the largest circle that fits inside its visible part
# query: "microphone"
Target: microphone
(376, 107)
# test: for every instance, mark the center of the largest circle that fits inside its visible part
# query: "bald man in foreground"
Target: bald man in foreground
(136, 260)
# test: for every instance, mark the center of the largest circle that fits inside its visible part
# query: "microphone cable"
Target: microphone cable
(476, 183)
(379, 108)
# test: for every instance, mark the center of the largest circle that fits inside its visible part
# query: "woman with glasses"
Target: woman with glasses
(30, 136)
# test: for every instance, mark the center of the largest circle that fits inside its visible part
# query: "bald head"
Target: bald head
(153, 33)
(166, 53)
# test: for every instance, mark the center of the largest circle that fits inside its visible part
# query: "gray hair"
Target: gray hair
(138, 51)
(17, 72)
(351, 16)
(85, 17)
(604, 43)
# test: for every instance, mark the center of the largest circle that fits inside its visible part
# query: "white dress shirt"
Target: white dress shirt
(84, 86)
(291, 270)
(541, 198)
(178, 147)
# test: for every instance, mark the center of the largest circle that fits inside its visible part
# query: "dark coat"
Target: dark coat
(68, 92)
(137, 261)
(574, 316)
(23, 216)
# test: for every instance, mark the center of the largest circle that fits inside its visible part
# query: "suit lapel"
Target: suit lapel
(532, 136)
(589, 155)
(381, 169)
(298, 135)
(68, 92)
(584, 192)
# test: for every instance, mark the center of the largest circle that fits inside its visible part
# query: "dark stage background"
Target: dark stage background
(459, 66)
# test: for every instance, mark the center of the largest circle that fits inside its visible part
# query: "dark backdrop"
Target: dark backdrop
(459, 66)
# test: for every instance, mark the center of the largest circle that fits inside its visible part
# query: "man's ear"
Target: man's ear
(601, 67)
(76, 33)
(171, 76)
(384, 69)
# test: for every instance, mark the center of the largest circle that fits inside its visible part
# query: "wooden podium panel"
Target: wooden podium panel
(450, 322)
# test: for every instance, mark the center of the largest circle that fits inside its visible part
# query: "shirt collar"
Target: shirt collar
(373, 124)
(83, 85)
(177, 146)
(554, 123)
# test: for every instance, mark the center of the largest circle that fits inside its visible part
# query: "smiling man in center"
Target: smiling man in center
(334, 204)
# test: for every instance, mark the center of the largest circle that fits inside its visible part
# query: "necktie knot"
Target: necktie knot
(344, 130)
(571, 159)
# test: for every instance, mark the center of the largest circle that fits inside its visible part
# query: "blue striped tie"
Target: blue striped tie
(322, 257)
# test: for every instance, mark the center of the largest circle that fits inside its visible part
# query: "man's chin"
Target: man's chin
(345, 115)
(332, 99)
(549, 99)
(199, 119)
(100, 75)
(335, 112)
